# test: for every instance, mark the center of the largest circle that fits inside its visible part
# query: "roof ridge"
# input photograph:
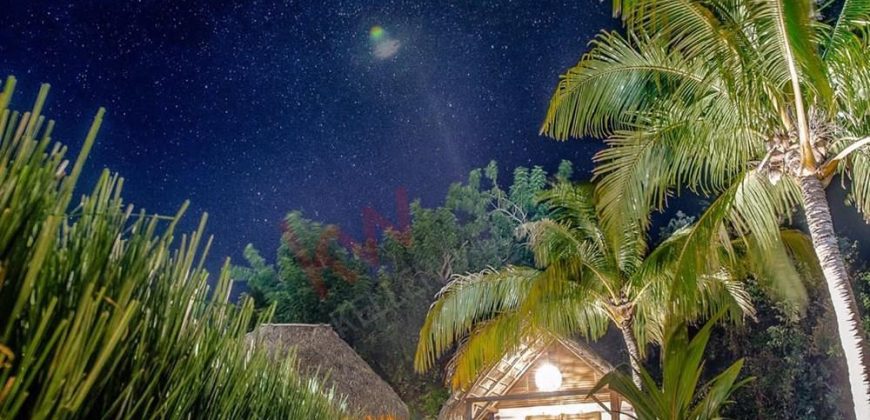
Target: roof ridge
(294, 324)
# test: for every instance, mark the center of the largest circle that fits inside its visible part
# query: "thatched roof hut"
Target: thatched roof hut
(320, 351)
(509, 389)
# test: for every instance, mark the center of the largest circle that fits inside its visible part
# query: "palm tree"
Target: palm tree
(589, 273)
(771, 96)
(679, 396)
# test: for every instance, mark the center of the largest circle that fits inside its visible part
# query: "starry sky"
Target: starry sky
(252, 108)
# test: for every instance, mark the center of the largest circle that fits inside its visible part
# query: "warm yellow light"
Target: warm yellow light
(548, 378)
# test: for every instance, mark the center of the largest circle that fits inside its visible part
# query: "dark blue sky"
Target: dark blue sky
(252, 108)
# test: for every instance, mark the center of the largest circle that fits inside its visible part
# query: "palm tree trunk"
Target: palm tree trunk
(821, 227)
(633, 352)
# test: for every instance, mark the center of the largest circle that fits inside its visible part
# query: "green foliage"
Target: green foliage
(741, 99)
(681, 394)
(797, 362)
(527, 184)
(796, 359)
(315, 278)
(863, 280)
(103, 317)
(587, 273)
(565, 172)
(679, 221)
(696, 92)
(432, 401)
(860, 271)
(381, 312)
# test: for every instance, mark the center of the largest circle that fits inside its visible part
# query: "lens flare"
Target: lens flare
(376, 32)
(383, 46)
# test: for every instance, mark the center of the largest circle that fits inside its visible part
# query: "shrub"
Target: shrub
(101, 316)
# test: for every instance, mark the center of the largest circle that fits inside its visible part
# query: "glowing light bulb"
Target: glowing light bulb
(548, 378)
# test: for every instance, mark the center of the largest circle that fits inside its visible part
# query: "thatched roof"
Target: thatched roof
(320, 351)
(501, 377)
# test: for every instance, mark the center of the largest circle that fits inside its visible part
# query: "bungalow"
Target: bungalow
(549, 378)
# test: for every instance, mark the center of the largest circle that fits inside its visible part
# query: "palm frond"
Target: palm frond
(614, 80)
(690, 276)
(561, 253)
(758, 206)
(466, 300)
(553, 306)
(572, 205)
(621, 241)
(694, 28)
(859, 171)
(640, 167)
(507, 332)
(850, 77)
(776, 273)
(786, 26)
(486, 344)
(767, 250)
(722, 292)
(740, 230)
(854, 15)
(565, 308)
(693, 252)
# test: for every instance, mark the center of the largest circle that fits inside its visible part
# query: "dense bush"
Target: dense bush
(103, 317)
(377, 297)
(793, 353)
(797, 361)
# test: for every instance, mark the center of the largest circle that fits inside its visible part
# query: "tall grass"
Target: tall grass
(101, 316)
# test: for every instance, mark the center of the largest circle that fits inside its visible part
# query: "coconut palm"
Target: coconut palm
(769, 95)
(589, 273)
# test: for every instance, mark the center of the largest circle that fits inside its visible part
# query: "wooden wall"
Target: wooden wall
(576, 374)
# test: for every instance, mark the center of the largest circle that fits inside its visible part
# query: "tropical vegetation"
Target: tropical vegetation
(758, 106)
(376, 293)
(102, 316)
(787, 345)
(591, 273)
(765, 98)
(681, 394)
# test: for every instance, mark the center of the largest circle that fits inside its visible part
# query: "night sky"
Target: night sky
(252, 108)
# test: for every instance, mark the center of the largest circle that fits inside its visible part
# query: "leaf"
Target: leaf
(854, 15)
(614, 80)
(796, 39)
(679, 395)
(465, 301)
